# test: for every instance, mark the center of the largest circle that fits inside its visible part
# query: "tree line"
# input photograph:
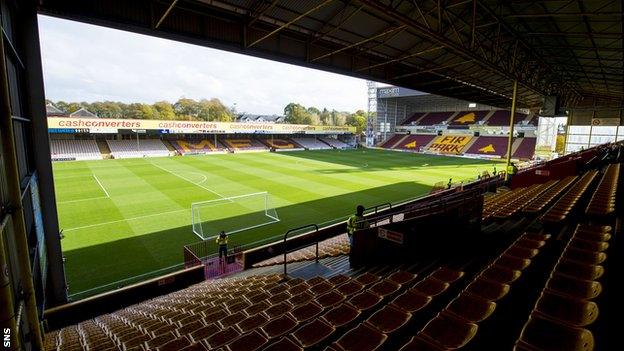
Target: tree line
(183, 109)
(295, 113)
(210, 110)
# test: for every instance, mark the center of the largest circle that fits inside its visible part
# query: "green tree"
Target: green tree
(296, 114)
(186, 108)
(62, 105)
(73, 107)
(165, 110)
(325, 117)
(357, 120)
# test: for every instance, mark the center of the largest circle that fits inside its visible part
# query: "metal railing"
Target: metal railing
(285, 245)
(377, 208)
(428, 207)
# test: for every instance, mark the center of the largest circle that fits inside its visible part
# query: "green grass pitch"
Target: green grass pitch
(125, 218)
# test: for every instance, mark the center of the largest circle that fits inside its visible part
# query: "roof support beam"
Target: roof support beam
(287, 24)
(162, 18)
(433, 69)
(465, 52)
(256, 16)
(402, 58)
(379, 35)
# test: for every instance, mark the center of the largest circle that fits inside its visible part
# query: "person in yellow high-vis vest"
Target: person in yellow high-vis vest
(356, 222)
(222, 241)
(511, 171)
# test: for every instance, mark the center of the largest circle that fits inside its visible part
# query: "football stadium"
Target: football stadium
(478, 206)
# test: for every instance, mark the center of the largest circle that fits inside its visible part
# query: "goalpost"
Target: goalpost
(232, 214)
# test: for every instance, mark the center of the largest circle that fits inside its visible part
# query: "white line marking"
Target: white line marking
(59, 177)
(101, 186)
(204, 178)
(79, 200)
(125, 220)
(188, 180)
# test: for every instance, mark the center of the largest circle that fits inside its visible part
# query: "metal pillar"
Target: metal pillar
(567, 135)
(511, 125)
(56, 287)
(7, 312)
(15, 202)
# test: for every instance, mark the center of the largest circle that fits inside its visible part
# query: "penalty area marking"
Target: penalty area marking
(89, 198)
(80, 200)
(101, 186)
(125, 220)
(188, 180)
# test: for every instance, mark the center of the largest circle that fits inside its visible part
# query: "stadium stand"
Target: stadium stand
(526, 149)
(433, 118)
(390, 142)
(501, 118)
(311, 143)
(435, 302)
(204, 146)
(282, 144)
(468, 117)
(602, 202)
(415, 142)
(488, 145)
(564, 206)
(564, 310)
(413, 118)
(244, 145)
(132, 149)
(331, 247)
(508, 204)
(74, 150)
(335, 143)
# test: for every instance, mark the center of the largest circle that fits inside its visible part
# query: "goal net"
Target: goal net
(232, 214)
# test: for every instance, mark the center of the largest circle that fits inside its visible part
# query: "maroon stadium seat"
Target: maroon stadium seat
(313, 333)
(389, 319)
(341, 315)
(279, 326)
(411, 301)
(361, 338)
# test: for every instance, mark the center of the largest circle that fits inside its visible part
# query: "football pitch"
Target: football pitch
(127, 220)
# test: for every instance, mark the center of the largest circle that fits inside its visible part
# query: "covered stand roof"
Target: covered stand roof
(466, 49)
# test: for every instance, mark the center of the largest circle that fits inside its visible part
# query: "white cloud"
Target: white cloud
(88, 63)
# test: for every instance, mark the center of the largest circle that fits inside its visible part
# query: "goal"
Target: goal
(232, 214)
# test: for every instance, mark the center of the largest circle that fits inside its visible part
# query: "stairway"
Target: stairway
(169, 146)
(104, 149)
(469, 145)
(515, 145)
(400, 141)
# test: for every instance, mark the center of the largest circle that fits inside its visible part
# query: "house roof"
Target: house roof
(83, 113)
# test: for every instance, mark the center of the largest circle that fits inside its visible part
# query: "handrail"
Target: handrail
(286, 249)
(450, 199)
(376, 207)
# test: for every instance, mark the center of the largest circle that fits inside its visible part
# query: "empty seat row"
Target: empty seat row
(336, 246)
(134, 148)
(311, 143)
(241, 314)
(564, 206)
(457, 324)
(565, 307)
(493, 202)
(542, 201)
(602, 202)
(74, 149)
(392, 318)
(514, 205)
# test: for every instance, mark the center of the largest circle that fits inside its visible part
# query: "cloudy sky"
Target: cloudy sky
(88, 63)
